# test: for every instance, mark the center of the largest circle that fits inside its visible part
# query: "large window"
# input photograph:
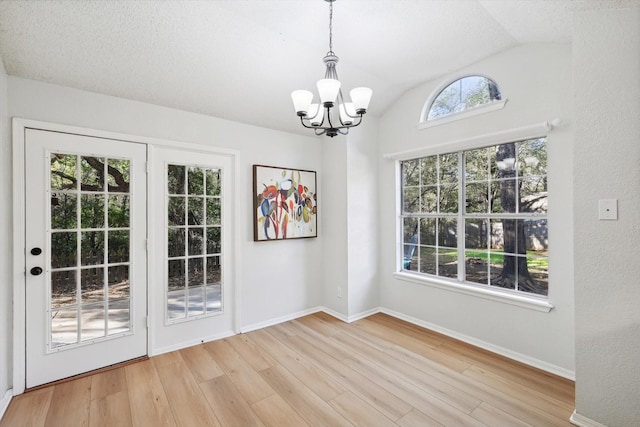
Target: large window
(479, 216)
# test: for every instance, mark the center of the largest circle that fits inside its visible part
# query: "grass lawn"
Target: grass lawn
(498, 258)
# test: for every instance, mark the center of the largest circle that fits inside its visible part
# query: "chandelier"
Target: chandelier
(323, 117)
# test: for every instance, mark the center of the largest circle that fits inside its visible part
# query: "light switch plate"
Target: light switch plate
(608, 209)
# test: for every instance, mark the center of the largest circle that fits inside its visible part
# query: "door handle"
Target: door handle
(36, 271)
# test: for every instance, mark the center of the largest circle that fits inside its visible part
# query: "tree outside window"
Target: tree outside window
(479, 216)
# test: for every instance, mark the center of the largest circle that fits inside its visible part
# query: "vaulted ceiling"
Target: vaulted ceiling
(240, 59)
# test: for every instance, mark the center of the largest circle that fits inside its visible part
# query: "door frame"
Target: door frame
(19, 127)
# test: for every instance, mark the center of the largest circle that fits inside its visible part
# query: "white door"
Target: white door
(191, 249)
(86, 266)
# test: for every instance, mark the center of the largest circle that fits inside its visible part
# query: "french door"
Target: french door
(191, 203)
(86, 262)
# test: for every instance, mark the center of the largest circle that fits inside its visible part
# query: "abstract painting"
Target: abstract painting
(285, 203)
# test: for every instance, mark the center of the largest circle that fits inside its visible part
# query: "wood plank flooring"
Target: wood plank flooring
(313, 371)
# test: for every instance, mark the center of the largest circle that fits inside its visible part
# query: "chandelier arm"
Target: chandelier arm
(328, 117)
(322, 131)
(311, 127)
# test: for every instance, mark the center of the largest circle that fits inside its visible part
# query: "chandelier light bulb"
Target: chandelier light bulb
(347, 113)
(316, 114)
(328, 90)
(302, 101)
(360, 97)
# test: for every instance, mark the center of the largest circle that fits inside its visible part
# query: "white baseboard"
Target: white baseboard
(527, 360)
(582, 421)
(335, 314)
(4, 403)
(352, 318)
(277, 320)
(292, 316)
(190, 343)
(364, 314)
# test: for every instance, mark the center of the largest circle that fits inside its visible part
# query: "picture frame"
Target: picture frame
(285, 204)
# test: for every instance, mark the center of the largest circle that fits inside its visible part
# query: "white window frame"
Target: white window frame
(524, 300)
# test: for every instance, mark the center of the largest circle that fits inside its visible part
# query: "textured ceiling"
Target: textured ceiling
(240, 59)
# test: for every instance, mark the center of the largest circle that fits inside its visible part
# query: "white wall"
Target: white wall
(6, 257)
(334, 225)
(277, 278)
(536, 80)
(607, 166)
(362, 217)
(350, 221)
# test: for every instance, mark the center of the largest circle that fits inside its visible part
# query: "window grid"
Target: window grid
(96, 311)
(501, 234)
(194, 242)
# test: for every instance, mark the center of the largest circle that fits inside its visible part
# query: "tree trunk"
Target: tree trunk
(515, 272)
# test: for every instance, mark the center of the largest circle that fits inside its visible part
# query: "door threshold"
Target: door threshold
(89, 373)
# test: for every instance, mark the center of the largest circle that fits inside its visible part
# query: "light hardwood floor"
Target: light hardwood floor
(313, 371)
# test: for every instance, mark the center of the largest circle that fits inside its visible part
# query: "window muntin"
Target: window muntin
(194, 242)
(462, 95)
(89, 294)
(479, 216)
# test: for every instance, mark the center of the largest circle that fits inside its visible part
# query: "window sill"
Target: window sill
(531, 303)
(496, 105)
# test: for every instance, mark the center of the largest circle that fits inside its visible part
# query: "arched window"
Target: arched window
(462, 95)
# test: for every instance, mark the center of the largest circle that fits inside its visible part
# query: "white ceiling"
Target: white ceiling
(240, 59)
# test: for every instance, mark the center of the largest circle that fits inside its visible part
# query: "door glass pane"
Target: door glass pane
(196, 210)
(92, 173)
(118, 246)
(118, 175)
(213, 270)
(93, 321)
(63, 288)
(176, 289)
(83, 306)
(196, 301)
(64, 175)
(64, 249)
(193, 225)
(92, 211)
(63, 211)
(175, 242)
(118, 211)
(214, 298)
(92, 284)
(92, 247)
(196, 272)
(175, 212)
(64, 327)
(213, 182)
(118, 282)
(213, 240)
(196, 181)
(176, 308)
(213, 211)
(196, 241)
(175, 179)
(177, 277)
(119, 316)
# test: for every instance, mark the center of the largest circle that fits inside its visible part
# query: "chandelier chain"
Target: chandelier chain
(330, 28)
